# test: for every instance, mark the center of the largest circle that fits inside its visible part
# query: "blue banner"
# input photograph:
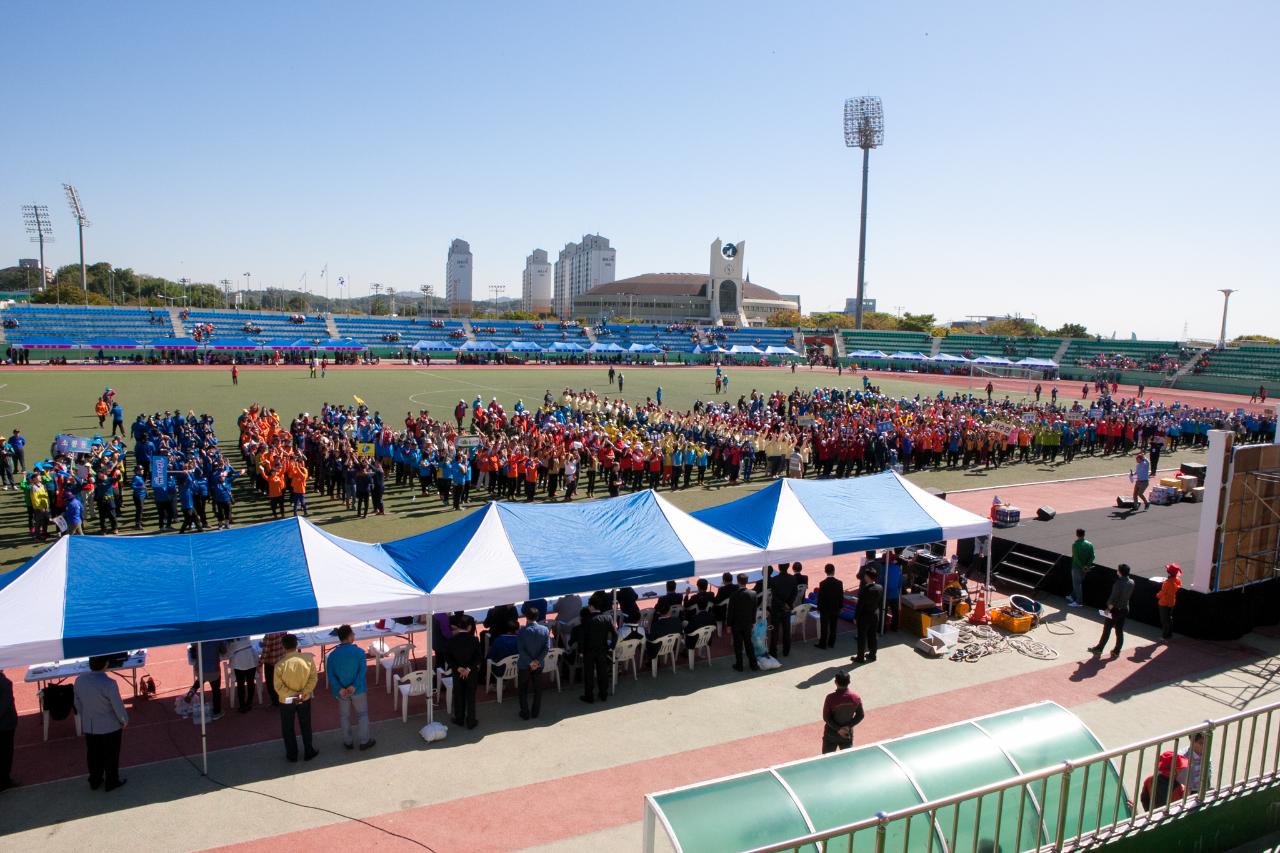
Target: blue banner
(885, 426)
(159, 472)
(72, 444)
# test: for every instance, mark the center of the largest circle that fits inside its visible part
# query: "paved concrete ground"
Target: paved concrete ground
(575, 779)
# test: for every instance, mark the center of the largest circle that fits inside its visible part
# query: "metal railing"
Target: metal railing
(1071, 805)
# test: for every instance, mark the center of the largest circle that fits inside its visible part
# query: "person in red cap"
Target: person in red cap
(1167, 597)
(1163, 787)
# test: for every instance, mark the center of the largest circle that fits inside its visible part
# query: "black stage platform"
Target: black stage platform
(1147, 540)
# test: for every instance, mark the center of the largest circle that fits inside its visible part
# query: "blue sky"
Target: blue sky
(1106, 163)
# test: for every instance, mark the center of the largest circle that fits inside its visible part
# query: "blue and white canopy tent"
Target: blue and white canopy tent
(867, 353)
(433, 346)
(745, 349)
(522, 346)
(342, 345)
(599, 347)
(992, 359)
(948, 357)
(776, 350)
(643, 348)
(565, 346)
(90, 595)
(908, 356)
(285, 344)
(796, 519)
(479, 346)
(1043, 363)
(516, 551)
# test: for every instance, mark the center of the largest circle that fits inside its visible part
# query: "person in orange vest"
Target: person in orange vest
(274, 474)
(1167, 597)
(297, 474)
(530, 478)
(101, 409)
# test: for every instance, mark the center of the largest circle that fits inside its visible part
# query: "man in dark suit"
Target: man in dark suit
(628, 604)
(782, 595)
(723, 594)
(802, 581)
(830, 603)
(694, 600)
(465, 657)
(870, 604)
(670, 599)
(741, 618)
(8, 725)
(598, 638)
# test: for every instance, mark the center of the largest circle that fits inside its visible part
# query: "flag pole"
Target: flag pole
(204, 710)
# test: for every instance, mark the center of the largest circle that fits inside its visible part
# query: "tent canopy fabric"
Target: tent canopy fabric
(991, 359)
(479, 346)
(512, 552)
(231, 343)
(46, 343)
(643, 348)
(746, 349)
(112, 343)
(788, 801)
(1037, 362)
(867, 353)
(806, 519)
(523, 346)
(90, 595)
(172, 343)
(599, 347)
(434, 346)
(775, 350)
(566, 346)
(285, 343)
(909, 356)
(342, 344)
(946, 356)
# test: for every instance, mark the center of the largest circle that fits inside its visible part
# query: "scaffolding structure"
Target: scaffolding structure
(1251, 540)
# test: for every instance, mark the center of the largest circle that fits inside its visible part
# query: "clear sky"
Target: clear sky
(1107, 163)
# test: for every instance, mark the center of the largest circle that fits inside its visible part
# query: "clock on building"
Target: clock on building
(729, 250)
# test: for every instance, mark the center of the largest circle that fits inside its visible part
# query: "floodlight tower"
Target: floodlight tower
(1226, 297)
(82, 222)
(36, 218)
(863, 128)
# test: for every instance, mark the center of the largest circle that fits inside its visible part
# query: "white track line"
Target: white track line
(25, 408)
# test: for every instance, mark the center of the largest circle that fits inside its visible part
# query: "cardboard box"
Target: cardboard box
(1196, 495)
(916, 601)
(1187, 482)
(1171, 482)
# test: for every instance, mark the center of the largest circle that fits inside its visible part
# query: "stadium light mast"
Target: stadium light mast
(36, 218)
(82, 222)
(863, 128)
(1226, 298)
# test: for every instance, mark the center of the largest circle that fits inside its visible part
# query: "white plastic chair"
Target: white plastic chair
(701, 643)
(625, 652)
(800, 619)
(413, 684)
(444, 686)
(45, 717)
(500, 671)
(666, 648)
(397, 659)
(551, 665)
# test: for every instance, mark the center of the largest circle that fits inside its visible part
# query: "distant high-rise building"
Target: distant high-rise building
(457, 277)
(851, 306)
(580, 267)
(535, 292)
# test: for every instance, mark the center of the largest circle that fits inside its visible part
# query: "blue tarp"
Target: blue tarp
(479, 346)
(45, 343)
(172, 343)
(112, 343)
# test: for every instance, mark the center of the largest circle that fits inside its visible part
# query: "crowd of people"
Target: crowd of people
(578, 444)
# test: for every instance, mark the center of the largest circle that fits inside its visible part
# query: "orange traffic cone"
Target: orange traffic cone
(979, 614)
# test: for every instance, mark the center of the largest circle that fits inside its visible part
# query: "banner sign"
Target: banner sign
(72, 444)
(466, 442)
(885, 426)
(365, 448)
(159, 472)
(806, 420)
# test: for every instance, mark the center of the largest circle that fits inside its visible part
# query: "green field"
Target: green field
(46, 402)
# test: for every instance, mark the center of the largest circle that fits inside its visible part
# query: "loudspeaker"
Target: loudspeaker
(1046, 513)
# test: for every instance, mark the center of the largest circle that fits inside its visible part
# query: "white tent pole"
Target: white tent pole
(204, 710)
(431, 670)
(987, 594)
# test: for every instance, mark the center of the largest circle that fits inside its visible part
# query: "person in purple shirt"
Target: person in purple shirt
(1141, 477)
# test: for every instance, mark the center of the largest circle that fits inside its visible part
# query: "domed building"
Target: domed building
(722, 296)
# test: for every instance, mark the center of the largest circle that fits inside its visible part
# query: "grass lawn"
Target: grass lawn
(47, 402)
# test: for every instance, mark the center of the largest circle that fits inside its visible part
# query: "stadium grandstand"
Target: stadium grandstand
(1239, 367)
